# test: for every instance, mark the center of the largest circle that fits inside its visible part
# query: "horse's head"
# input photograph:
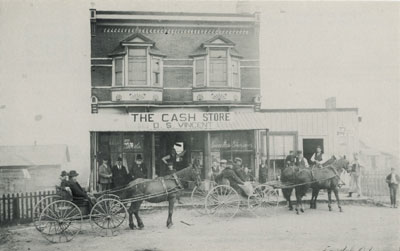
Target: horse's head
(342, 163)
(190, 174)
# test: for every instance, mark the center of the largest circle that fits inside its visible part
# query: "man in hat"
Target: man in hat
(229, 174)
(78, 193)
(64, 179)
(393, 181)
(222, 164)
(301, 162)
(238, 168)
(318, 157)
(139, 169)
(290, 159)
(105, 176)
(121, 175)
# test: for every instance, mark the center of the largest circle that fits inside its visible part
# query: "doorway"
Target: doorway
(310, 146)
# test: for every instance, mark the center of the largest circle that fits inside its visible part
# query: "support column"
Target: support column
(207, 155)
(153, 155)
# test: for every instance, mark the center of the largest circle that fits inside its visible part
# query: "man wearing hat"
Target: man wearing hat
(301, 162)
(318, 157)
(121, 175)
(393, 181)
(229, 174)
(78, 193)
(238, 168)
(105, 176)
(139, 168)
(64, 179)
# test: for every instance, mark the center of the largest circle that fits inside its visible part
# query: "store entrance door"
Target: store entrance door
(310, 146)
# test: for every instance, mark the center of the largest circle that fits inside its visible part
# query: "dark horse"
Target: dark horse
(155, 191)
(327, 177)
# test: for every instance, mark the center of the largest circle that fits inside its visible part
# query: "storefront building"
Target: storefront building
(191, 81)
(187, 81)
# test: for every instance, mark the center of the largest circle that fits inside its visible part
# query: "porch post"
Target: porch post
(207, 155)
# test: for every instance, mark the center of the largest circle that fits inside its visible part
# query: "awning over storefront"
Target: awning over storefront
(178, 121)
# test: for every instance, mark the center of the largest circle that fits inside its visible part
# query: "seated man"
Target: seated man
(231, 176)
(78, 193)
(64, 179)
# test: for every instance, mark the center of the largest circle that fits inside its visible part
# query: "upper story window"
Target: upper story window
(217, 64)
(137, 63)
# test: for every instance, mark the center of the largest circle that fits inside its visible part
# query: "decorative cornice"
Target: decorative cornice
(170, 30)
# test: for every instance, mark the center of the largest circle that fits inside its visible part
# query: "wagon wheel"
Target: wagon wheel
(199, 194)
(38, 208)
(222, 201)
(263, 201)
(60, 221)
(107, 216)
(108, 196)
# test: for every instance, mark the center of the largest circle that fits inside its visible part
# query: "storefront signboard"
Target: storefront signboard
(183, 120)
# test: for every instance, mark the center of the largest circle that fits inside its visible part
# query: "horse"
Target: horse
(288, 177)
(326, 177)
(331, 184)
(156, 191)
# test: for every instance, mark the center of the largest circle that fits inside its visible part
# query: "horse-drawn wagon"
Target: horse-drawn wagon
(59, 217)
(224, 201)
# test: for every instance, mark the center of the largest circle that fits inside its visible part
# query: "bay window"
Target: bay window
(216, 64)
(137, 63)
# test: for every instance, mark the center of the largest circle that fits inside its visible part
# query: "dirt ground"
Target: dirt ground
(358, 228)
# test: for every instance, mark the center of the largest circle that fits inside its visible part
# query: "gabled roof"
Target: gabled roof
(137, 38)
(218, 40)
(34, 155)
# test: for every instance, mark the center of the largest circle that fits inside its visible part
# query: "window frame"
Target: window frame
(207, 68)
(149, 68)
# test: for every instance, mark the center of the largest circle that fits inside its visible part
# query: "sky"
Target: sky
(309, 51)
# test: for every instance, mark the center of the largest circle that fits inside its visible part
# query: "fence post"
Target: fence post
(8, 207)
(15, 206)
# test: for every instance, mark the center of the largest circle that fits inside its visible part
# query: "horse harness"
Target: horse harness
(176, 179)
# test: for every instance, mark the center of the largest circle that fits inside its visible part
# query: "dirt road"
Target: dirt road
(358, 228)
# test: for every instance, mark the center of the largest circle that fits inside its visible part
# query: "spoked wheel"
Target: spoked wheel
(38, 208)
(264, 201)
(107, 216)
(108, 196)
(60, 221)
(222, 201)
(199, 195)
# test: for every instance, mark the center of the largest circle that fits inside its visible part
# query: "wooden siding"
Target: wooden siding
(319, 124)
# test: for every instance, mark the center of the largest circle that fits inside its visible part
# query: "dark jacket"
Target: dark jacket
(389, 178)
(240, 172)
(64, 183)
(77, 190)
(139, 171)
(263, 174)
(290, 160)
(120, 177)
(230, 175)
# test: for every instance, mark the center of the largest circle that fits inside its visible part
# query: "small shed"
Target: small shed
(31, 167)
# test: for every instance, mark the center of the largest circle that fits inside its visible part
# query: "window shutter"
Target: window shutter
(200, 72)
(118, 71)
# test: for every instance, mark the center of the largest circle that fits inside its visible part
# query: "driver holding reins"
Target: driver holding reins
(318, 157)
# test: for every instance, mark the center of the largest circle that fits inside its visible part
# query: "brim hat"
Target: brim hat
(64, 173)
(223, 161)
(73, 173)
(238, 159)
(139, 157)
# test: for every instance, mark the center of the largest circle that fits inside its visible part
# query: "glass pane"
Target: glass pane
(137, 52)
(137, 72)
(218, 73)
(218, 53)
(118, 65)
(200, 72)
